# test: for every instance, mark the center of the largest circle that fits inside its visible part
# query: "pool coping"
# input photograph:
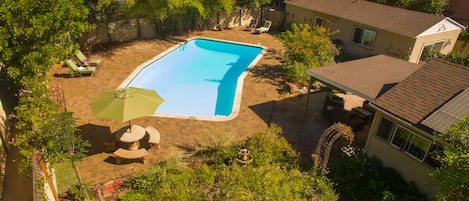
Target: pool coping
(239, 88)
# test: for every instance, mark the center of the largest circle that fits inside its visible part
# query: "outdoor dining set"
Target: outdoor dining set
(131, 137)
(124, 105)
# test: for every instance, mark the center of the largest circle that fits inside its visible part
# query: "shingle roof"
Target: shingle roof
(425, 91)
(368, 77)
(397, 20)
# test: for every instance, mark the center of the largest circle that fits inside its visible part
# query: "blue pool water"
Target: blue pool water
(199, 78)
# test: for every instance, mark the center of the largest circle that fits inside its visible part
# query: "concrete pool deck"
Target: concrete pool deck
(261, 105)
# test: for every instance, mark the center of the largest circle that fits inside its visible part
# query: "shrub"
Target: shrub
(363, 178)
(460, 58)
(270, 148)
(296, 71)
(273, 175)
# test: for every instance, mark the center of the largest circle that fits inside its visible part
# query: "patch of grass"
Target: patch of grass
(65, 176)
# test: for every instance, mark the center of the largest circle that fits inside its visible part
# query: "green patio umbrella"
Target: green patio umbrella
(126, 104)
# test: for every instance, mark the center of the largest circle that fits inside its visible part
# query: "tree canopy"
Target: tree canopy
(306, 48)
(453, 175)
(34, 35)
(170, 16)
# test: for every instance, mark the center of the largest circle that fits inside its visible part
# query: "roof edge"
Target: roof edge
(337, 85)
(451, 20)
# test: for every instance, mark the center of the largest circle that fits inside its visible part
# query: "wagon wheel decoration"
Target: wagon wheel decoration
(328, 137)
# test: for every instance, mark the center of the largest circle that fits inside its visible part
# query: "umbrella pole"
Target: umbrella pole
(130, 127)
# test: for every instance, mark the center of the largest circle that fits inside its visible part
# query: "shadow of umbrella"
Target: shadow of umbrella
(95, 135)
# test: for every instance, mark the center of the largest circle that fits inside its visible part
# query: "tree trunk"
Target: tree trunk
(139, 33)
(240, 16)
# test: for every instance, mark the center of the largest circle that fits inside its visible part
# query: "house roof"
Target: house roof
(425, 91)
(397, 20)
(368, 77)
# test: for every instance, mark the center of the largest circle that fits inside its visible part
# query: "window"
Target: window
(429, 49)
(418, 146)
(400, 138)
(406, 141)
(319, 21)
(431, 157)
(385, 129)
(363, 37)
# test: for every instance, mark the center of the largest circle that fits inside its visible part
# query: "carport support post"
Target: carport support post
(310, 83)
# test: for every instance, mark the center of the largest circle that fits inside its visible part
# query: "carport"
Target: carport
(361, 80)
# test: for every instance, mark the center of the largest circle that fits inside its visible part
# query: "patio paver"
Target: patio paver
(260, 105)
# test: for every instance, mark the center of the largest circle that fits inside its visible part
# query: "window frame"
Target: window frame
(405, 141)
(431, 45)
(390, 134)
(361, 43)
(426, 151)
(324, 22)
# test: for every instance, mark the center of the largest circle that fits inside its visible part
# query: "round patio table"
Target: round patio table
(131, 136)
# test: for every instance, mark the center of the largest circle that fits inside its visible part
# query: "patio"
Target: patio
(261, 105)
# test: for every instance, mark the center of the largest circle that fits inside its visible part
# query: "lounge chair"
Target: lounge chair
(79, 70)
(84, 61)
(252, 25)
(265, 27)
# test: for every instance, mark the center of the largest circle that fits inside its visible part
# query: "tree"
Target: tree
(34, 36)
(453, 175)
(461, 58)
(306, 48)
(219, 6)
(252, 4)
(170, 15)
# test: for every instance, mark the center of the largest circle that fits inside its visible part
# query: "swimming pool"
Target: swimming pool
(201, 78)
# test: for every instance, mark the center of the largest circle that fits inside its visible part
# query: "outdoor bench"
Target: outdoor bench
(121, 153)
(154, 136)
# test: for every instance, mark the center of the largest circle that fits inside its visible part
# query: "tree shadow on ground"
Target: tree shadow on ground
(274, 73)
(96, 135)
(302, 130)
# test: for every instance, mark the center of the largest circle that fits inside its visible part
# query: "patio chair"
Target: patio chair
(264, 28)
(84, 61)
(79, 70)
(252, 25)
